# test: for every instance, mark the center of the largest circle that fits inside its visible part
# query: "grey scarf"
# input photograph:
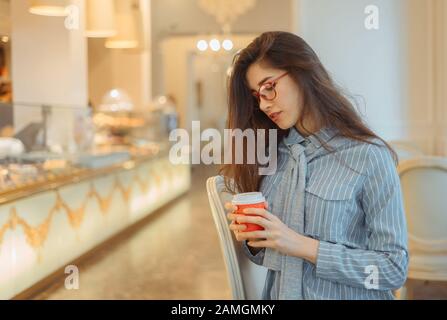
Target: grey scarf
(297, 151)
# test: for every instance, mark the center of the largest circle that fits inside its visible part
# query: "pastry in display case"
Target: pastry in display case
(5, 81)
(27, 158)
(45, 149)
(18, 172)
(119, 127)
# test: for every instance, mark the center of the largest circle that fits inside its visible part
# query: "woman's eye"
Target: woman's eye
(267, 87)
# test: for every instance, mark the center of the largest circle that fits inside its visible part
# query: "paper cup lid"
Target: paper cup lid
(248, 198)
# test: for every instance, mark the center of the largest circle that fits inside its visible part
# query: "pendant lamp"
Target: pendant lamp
(52, 8)
(126, 13)
(101, 19)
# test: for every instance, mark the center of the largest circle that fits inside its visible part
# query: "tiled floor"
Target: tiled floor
(175, 254)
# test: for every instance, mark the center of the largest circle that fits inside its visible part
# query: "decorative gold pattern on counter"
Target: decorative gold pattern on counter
(75, 216)
(37, 235)
(104, 203)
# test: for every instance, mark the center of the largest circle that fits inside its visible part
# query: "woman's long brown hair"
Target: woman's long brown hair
(323, 101)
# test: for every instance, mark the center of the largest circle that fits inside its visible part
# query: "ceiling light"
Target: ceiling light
(227, 44)
(100, 19)
(127, 30)
(52, 8)
(215, 45)
(202, 45)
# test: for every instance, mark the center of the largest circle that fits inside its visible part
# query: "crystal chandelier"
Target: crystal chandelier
(226, 11)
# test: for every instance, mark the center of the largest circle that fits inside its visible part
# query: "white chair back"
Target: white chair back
(246, 278)
(424, 185)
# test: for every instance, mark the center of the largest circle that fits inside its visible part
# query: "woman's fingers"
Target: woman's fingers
(260, 212)
(232, 216)
(238, 230)
(230, 207)
(253, 235)
(238, 221)
(261, 221)
(237, 227)
(261, 244)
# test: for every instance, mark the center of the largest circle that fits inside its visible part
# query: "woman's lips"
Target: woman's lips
(274, 116)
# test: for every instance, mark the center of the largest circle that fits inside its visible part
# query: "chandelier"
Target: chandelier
(226, 11)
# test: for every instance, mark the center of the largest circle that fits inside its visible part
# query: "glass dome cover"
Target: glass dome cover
(116, 100)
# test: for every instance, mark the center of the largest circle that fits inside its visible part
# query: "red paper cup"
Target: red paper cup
(249, 200)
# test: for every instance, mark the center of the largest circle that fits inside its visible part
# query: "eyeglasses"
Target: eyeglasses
(267, 91)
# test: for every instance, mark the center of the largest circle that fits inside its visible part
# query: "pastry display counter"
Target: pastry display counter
(54, 209)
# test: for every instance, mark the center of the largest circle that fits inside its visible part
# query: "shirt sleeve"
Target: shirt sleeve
(383, 265)
(257, 258)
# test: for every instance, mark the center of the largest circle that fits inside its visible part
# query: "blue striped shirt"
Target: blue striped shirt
(353, 206)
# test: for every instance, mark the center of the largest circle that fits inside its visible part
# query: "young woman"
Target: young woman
(335, 226)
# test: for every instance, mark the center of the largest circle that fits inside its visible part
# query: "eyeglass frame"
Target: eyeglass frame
(273, 82)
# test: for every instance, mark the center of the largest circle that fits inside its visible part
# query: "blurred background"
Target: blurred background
(90, 89)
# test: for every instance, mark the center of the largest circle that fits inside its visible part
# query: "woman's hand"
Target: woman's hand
(276, 234)
(236, 228)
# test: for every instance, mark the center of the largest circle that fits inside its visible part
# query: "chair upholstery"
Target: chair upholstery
(424, 185)
(246, 278)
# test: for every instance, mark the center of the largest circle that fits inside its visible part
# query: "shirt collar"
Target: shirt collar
(323, 135)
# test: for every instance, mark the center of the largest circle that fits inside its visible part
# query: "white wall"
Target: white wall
(118, 68)
(49, 61)
(391, 68)
(122, 68)
(182, 18)
(211, 72)
(181, 72)
(49, 66)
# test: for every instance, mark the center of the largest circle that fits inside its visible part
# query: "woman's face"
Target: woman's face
(285, 108)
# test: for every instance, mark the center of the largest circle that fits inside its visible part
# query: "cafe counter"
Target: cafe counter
(47, 224)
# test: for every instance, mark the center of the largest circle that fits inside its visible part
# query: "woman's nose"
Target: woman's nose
(265, 106)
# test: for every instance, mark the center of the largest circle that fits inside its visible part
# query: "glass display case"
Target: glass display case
(70, 179)
(50, 143)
